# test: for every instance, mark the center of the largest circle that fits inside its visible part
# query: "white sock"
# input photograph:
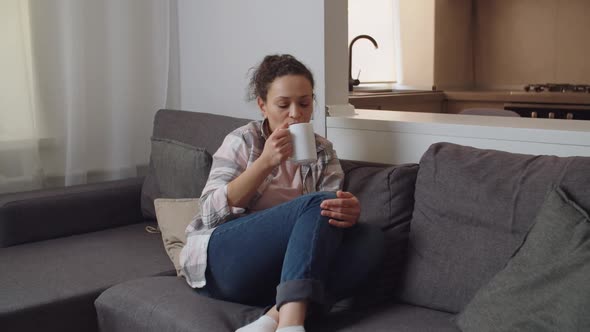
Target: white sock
(263, 324)
(296, 328)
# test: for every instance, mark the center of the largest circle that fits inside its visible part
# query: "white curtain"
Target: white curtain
(85, 80)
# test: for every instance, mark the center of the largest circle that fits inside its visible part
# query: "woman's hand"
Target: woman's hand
(344, 210)
(278, 146)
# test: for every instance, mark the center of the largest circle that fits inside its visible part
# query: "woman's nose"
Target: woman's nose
(295, 112)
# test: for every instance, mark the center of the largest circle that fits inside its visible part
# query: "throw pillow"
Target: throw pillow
(386, 195)
(173, 217)
(177, 170)
(545, 286)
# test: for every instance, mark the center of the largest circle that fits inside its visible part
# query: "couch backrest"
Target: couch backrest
(45, 214)
(473, 208)
(197, 129)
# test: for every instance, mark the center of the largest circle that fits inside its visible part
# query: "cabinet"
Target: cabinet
(428, 102)
(568, 105)
(456, 106)
(537, 105)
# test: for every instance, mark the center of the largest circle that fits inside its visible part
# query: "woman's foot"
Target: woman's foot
(273, 313)
(298, 328)
(262, 324)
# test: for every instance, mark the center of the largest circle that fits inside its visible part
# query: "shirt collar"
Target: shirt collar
(265, 129)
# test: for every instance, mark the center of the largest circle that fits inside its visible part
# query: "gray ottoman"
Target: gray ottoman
(167, 304)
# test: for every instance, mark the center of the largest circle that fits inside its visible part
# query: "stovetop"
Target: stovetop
(557, 87)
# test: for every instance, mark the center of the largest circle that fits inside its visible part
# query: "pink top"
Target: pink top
(283, 187)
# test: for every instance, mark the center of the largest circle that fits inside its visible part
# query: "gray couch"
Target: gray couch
(80, 259)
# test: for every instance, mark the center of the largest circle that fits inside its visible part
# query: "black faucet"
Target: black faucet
(356, 82)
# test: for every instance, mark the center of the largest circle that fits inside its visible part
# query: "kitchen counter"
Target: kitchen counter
(371, 119)
(388, 92)
(562, 105)
(519, 96)
(476, 95)
(404, 100)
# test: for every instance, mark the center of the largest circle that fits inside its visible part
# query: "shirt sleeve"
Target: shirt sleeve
(332, 176)
(230, 160)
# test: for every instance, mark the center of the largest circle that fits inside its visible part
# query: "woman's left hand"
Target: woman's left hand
(344, 210)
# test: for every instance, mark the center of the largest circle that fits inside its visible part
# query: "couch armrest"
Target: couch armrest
(50, 213)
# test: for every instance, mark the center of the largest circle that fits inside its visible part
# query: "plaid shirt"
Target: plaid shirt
(239, 150)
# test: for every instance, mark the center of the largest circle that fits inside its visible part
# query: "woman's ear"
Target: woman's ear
(261, 105)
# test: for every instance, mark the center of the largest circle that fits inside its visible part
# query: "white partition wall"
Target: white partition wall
(402, 137)
(220, 40)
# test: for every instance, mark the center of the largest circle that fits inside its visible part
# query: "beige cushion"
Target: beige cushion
(173, 216)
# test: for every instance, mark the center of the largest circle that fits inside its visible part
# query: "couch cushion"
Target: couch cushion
(177, 170)
(51, 285)
(386, 194)
(385, 317)
(545, 286)
(191, 130)
(167, 304)
(174, 215)
(473, 208)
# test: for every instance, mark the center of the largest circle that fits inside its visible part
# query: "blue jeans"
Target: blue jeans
(293, 246)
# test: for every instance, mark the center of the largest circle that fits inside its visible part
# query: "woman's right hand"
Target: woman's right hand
(278, 146)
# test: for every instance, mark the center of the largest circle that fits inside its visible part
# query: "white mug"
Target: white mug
(303, 139)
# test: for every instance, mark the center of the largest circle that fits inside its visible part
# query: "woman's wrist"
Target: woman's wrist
(243, 188)
(264, 163)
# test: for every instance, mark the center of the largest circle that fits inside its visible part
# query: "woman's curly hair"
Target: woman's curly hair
(272, 67)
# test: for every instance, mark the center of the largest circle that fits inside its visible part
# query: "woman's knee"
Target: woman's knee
(309, 206)
(310, 220)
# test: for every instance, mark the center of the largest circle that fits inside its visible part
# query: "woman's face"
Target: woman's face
(289, 100)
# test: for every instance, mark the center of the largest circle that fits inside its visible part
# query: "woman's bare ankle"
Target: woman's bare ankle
(273, 313)
(292, 314)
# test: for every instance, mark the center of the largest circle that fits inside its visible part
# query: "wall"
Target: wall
(453, 56)
(531, 41)
(500, 44)
(417, 42)
(220, 40)
(336, 53)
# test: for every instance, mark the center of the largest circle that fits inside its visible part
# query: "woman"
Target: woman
(272, 232)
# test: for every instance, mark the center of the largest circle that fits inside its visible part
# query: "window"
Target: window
(16, 102)
(376, 18)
